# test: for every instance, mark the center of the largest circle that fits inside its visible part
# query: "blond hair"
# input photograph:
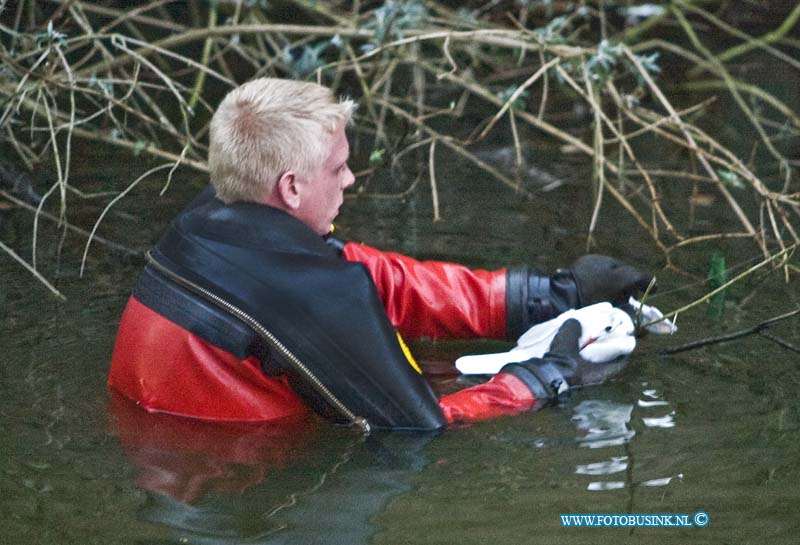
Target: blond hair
(266, 127)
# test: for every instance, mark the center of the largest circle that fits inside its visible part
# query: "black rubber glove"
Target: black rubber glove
(601, 278)
(532, 297)
(562, 367)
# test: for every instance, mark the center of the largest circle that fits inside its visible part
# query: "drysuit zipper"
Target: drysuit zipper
(267, 336)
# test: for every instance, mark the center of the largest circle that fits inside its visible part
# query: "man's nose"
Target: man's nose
(349, 179)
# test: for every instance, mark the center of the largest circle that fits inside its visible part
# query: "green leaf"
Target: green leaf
(306, 59)
(650, 62)
(731, 179)
(376, 157)
(393, 17)
(551, 32)
(601, 64)
(51, 36)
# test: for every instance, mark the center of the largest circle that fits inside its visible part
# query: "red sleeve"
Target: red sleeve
(436, 299)
(504, 395)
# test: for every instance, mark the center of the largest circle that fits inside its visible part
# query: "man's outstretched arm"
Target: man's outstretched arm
(433, 298)
(446, 300)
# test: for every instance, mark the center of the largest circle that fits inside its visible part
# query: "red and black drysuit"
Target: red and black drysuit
(243, 313)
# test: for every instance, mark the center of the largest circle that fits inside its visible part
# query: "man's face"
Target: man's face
(322, 192)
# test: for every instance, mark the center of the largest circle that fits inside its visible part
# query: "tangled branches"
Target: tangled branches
(144, 79)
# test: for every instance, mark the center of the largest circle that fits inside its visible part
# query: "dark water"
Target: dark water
(715, 429)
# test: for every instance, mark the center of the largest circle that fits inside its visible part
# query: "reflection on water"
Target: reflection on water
(661, 482)
(607, 425)
(714, 429)
(607, 467)
(664, 421)
(292, 481)
(606, 485)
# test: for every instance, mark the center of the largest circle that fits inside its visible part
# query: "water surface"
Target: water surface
(714, 429)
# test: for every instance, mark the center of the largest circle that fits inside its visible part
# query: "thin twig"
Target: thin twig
(729, 336)
(456, 148)
(516, 94)
(729, 80)
(749, 40)
(770, 37)
(434, 192)
(112, 203)
(201, 76)
(97, 238)
(726, 285)
(599, 159)
(779, 341)
(693, 145)
(33, 271)
(753, 90)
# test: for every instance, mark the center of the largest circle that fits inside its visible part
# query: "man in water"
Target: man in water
(248, 310)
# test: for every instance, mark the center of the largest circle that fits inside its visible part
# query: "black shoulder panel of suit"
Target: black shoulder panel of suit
(194, 314)
(324, 309)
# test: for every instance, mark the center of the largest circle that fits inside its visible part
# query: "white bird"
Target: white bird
(607, 333)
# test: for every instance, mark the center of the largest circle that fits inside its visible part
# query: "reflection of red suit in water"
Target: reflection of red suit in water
(166, 367)
(187, 459)
(294, 480)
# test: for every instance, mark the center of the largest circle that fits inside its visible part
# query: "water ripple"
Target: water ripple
(605, 423)
(606, 485)
(644, 404)
(666, 421)
(607, 467)
(664, 481)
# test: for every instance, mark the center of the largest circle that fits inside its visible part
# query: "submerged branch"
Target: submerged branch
(758, 328)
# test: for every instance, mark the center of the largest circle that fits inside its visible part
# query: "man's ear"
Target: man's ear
(287, 190)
